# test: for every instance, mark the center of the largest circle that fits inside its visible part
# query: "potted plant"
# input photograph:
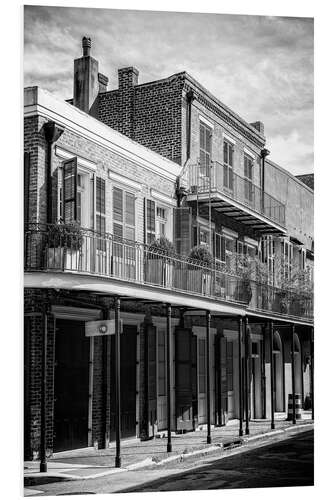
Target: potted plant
(200, 273)
(64, 246)
(160, 262)
(243, 291)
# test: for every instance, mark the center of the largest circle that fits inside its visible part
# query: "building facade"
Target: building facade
(168, 265)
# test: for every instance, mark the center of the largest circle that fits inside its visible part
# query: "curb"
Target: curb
(237, 442)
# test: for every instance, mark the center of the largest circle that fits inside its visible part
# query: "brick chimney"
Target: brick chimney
(127, 79)
(259, 126)
(86, 80)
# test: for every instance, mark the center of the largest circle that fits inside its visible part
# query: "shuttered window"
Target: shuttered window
(100, 212)
(123, 214)
(202, 365)
(205, 149)
(230, 378)
(228, 162)
(151, 222)
(248, 174)
(220, 247)
(69, 191)
(183, 230)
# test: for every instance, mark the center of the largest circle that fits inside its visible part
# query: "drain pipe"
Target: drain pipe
(52, 132)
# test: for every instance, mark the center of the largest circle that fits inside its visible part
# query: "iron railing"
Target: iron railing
(109, 256)
(220, 179)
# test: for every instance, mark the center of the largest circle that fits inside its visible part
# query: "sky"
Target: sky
(259, 66)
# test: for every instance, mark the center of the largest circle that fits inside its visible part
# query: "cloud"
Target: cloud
(261, 67)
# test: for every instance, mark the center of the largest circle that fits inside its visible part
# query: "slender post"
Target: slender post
(311, 370)
(208, 321)
(42, 452)
(293, 371)
(247, 431)
(117, 365)
(272, 374)
(169, 445)
(240, 374)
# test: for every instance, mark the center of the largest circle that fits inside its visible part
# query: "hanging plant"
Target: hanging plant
(162, 247)
(68, 236)
(202, 255)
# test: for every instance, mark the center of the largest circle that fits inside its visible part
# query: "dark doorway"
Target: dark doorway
(127, 381)
(71, 386)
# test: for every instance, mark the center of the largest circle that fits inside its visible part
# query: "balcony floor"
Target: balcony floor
(241, 213)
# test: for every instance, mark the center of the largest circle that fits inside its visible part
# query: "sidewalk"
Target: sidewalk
(89, 463)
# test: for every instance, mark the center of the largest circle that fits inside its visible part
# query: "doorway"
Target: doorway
(71, 386)
(278, 372)
(127, 383)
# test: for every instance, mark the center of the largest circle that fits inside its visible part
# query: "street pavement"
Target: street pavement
(285, 462)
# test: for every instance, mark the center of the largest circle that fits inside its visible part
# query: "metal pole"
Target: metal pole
(240, 374)
(208, 320)
(311, 368)
(42, 452)
(247, 431)
(117, 365)
(272, 374)
(169, 445)
(293, 371)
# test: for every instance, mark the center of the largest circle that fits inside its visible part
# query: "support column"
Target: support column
(117, 381)
(246, 327)
(240, 373)
(169, 445)
(311, 372)
(42, 450)
(293, 371)
(272, 374)
(208, 321)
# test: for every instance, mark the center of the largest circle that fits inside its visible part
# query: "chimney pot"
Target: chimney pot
(86, 45)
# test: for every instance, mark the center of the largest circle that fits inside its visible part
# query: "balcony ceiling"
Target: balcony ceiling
(239, 212)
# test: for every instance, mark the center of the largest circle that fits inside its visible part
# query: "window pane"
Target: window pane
(130, 233)
(118, 230)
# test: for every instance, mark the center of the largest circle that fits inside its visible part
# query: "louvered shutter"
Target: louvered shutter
(183, 372)
(224, 380)
(69, 190)
(26, 186)
(182, 229)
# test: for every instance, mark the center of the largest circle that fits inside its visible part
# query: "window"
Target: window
(230, 244)
(203, 236)
(150, 216)
(228, 161)
(220, 247)
(161, 362)
(123, 214)
(161, 221)
(268, 256)
(205, 149)
(202, 365)
(302, 256)
(248, 181)
(287, 254)
(224, 249)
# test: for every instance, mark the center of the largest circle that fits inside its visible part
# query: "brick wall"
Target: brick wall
(149, 113)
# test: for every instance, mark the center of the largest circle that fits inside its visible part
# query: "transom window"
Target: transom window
(228, 162)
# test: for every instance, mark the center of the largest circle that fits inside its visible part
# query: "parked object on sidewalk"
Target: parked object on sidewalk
(298, 407)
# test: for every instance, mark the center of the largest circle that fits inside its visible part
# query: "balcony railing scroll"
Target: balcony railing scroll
(109, 256)
(217, 177)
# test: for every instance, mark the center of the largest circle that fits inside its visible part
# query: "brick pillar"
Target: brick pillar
(128, 78)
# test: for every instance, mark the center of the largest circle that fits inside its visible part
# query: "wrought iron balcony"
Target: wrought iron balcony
(235, 196)
(86, 252)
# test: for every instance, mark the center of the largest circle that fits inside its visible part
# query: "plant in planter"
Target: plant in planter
(244, 271)
(64, 246)
(200, 274)
(160, 262)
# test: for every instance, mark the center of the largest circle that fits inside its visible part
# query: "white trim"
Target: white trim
(40, 102)
(205, 222)
(249, 153)
(230, 334)
(250, 241)
(160, 322)
(75, 313)
(228, 138)
(206, 122)
(229, 232)
(82, 162)
(124, 180)
(162, 197)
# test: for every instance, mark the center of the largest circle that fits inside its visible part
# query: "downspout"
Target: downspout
(52, 132)
(264, 152)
